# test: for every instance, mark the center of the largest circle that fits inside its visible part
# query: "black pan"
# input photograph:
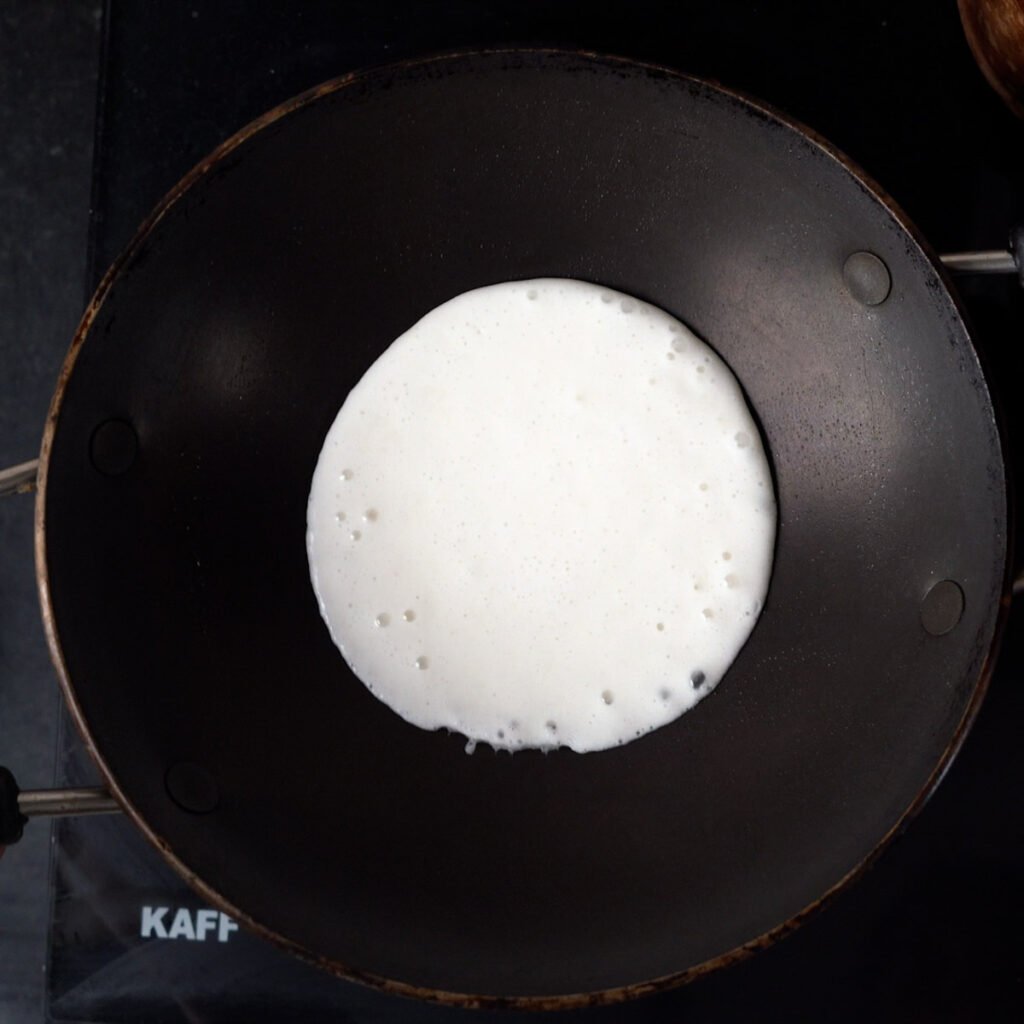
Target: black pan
(177, 461)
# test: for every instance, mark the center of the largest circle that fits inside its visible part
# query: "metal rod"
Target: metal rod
(53, 803)
(995, 261)
(19, 479)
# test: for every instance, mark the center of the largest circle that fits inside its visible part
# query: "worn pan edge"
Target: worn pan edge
(468, 1000)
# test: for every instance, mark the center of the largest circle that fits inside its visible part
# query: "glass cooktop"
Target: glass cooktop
(891, 83)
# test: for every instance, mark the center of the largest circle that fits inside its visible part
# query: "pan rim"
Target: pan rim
(110, 277)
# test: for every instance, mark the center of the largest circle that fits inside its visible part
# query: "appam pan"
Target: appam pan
(177, 460)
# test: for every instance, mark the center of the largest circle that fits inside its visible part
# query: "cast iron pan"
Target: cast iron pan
(178, 458)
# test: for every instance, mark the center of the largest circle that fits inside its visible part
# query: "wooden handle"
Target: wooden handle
(995, 34)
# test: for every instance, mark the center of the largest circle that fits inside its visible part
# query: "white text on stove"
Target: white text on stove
(158, 923)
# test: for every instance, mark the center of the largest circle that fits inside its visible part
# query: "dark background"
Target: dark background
(49, 59)
(932, 933)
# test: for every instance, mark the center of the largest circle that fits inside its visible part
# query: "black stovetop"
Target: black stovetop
(922, 937)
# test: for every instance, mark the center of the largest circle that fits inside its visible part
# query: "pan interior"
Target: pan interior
(178, 584)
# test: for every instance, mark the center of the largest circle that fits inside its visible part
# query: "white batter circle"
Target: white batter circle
(544, 517)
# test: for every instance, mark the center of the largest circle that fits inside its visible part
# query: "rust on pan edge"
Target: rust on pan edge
(468, 1000)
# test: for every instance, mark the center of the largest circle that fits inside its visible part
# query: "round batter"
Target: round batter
(544, 517)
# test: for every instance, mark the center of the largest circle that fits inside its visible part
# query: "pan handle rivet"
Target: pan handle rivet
(113, 447)
(867, 278)
(192, 787)
(942, 608)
